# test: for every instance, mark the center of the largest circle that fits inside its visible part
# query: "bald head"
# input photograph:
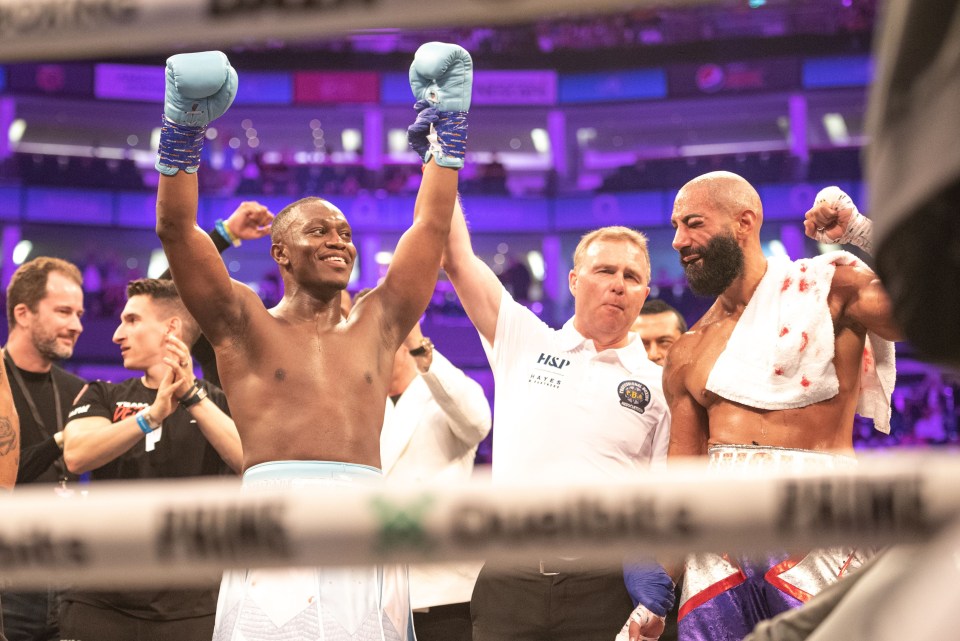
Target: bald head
(723, 191)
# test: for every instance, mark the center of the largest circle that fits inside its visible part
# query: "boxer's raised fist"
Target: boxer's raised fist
(200, 87)
(442, 74)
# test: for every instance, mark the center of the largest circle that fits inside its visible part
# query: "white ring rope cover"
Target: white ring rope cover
(178, 533)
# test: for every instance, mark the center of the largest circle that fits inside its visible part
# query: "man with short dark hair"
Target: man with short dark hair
(303, 353)
(659, 326)
(163, 424)
(44, 308)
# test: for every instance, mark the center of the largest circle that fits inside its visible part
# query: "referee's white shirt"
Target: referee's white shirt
(564, 412)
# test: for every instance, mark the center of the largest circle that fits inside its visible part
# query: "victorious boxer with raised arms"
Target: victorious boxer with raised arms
(306, 386)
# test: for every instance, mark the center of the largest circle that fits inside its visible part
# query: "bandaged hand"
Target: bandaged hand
(641, 625)
(835, 219)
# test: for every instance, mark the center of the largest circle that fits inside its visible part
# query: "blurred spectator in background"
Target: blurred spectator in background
(659, 326)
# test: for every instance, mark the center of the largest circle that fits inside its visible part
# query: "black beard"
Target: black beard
(720, 263)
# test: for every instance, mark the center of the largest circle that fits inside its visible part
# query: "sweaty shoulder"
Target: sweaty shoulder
(859, 300)
(684, 350)
(848, 278)
(848, 283)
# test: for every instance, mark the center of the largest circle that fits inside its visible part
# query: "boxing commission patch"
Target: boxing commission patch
(634, 395)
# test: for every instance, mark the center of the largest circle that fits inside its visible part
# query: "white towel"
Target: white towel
(780, 354)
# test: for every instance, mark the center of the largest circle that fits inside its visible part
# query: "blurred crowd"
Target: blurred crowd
(260, 178)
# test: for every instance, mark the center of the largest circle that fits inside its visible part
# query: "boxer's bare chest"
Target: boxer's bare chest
(714, 335)
(299, 357)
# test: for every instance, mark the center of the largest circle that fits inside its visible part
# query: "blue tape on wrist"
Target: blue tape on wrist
(451, 128)
(180, 147)
(142, 423)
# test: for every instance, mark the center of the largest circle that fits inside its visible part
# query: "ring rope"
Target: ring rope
(181, 533)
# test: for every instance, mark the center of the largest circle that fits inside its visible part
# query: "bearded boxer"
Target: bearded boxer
(771, 375)
(308, 387)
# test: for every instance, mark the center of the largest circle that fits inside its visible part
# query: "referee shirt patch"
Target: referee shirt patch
(634, 395)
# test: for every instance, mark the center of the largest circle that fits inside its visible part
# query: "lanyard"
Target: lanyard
(18, 378)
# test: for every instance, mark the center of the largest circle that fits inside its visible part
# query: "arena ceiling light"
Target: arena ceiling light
(541, 140)
(397, 141)
(351, 139)
(16, 130)
(21, 251)
(158, 263)
(836, 128)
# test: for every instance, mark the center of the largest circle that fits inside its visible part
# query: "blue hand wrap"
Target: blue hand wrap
(650, 586)
(180, 147)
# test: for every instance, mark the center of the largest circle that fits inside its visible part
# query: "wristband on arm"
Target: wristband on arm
(194, 396)
(145, 421)
(425, 346)
(226, 234)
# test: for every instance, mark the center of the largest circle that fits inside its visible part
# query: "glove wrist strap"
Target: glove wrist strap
(448, 139)
(180, 147)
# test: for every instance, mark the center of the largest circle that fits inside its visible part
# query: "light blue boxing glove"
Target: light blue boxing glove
(442, 76)
(200, 87)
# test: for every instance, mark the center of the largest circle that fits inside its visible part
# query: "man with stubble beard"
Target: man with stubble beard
(771, 376)
(44, 308)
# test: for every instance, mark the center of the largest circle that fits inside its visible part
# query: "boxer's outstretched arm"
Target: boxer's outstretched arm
(412, 275)
(477, 286)
(441, 78)
(199, 88)
(198, 271)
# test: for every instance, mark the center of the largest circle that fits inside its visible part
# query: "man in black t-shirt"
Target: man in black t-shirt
(44, 307)
(164, 424)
